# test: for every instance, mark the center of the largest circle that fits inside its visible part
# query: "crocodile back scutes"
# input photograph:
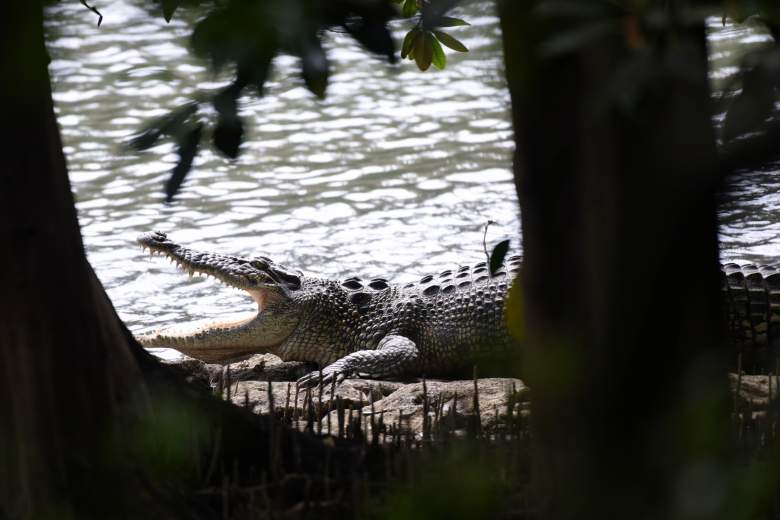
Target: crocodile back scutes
(453, 317)
(752, 310)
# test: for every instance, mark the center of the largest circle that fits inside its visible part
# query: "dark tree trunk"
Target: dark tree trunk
(60, 381)
(615, 173)
(88, 419)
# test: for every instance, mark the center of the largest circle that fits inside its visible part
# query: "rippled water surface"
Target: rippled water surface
(392, 175)
(750, 209)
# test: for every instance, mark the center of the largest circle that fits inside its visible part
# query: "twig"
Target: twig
(94, 10)
(484, 240)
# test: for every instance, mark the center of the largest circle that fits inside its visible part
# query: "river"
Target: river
(394, 174)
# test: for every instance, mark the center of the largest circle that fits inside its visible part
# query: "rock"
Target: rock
(754, 390)
(354, 394)
(286, 370)
(254, 395)
(195, 370)
(496, 395)
(258, 367)
(267, 367)
(376, 387)
(248, 387)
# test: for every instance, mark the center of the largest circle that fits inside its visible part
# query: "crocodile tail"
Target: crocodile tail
(752, 312)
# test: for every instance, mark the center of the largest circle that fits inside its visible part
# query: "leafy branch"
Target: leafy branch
(423, 43)
(245, 35)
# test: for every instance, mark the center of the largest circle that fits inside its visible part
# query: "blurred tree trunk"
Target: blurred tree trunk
(614, 169)
(88, 419)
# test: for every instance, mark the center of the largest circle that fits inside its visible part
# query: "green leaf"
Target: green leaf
(188, 147)
(169, 6)
(210, 37)
(423, 51)
(410, 8)
(226, 102)
(229, 131)
(169, 124)
(315, 69)
(449, 21)
(748, 110)
(145, 139)
(374, 34)
(439, 59)
(450, 41)
(256, 69)
(409, 40)
(228, 136)
(498, 255)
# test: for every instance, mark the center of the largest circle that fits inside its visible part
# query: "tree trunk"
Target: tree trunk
(62, 378)
(92, 425)
(614, 169)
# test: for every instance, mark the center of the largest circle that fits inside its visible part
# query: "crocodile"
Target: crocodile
(751, 296)
(442, 324)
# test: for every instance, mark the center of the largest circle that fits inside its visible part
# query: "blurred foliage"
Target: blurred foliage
(465, 481)
(515, 310)
(243, 36)
(749, 102)
(168, 441)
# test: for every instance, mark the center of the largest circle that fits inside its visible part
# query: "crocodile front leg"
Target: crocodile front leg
(394, 356)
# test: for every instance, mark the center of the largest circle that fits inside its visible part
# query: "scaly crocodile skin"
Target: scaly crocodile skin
(438, 325)
(752, 307)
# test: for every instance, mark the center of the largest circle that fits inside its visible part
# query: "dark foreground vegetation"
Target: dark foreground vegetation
(631, 412)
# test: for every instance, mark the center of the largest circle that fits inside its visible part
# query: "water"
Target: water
(393, 174)
(750, 210)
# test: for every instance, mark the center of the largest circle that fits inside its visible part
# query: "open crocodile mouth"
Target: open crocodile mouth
(217, 341)
(241, 273)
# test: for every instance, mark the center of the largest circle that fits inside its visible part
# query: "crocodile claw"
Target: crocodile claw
(323, 377)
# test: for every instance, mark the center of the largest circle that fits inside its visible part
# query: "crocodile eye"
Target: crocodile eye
(259, 264)
(289, 280)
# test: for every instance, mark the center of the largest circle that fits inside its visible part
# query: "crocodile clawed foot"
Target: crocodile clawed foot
(324, 377)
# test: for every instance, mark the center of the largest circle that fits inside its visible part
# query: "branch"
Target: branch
(753, 152)
(94, 10)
